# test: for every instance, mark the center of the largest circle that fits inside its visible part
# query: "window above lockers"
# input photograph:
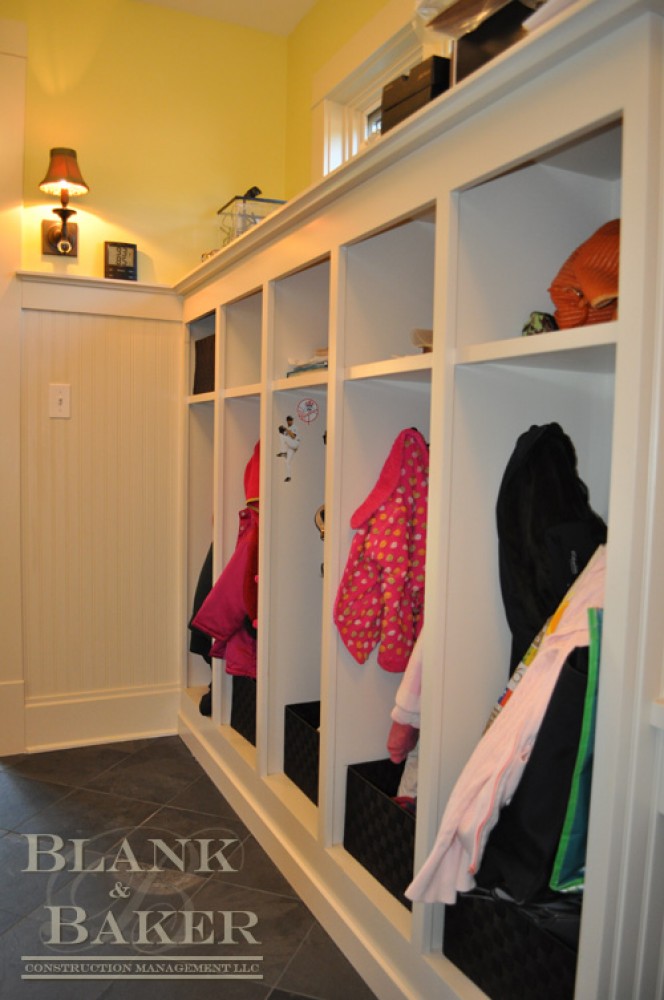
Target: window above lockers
(347, 91)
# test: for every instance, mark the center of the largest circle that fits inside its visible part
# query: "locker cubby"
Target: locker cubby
(200, 507)
(375, 411)
(240, 432)
(494, 405)
(296, 554)
(301, 314)
(389, 282)
(242, 325)
(202, 343)
(516, 230)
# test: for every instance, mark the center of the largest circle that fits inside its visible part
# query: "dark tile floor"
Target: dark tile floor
(125, 860)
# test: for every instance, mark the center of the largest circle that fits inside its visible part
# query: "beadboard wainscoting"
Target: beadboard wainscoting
(103, 626)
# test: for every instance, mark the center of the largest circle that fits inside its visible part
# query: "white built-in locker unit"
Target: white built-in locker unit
(458, 221)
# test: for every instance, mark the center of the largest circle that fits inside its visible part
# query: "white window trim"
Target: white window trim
(350, 86)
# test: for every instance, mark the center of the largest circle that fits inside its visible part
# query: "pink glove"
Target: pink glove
(401, 740)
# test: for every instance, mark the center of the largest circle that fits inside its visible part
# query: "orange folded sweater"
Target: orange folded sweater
(585, 290)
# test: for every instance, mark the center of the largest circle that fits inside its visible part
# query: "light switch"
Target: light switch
(59, 400)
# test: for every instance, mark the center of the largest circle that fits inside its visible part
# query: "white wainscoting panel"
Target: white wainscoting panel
(100, 534)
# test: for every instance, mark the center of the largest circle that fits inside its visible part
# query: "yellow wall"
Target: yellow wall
(318, 36)
(171, 115)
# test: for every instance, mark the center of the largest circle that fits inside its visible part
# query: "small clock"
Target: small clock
(120, 260)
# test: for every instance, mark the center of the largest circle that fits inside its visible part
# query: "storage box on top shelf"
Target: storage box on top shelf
(242, 212)
(481, 30)
(302, 746)
(498, 33)
(410, 92)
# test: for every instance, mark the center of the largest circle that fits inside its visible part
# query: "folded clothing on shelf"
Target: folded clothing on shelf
(317, 360)
(585, 290)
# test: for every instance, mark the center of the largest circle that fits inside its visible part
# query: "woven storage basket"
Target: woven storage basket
(301, 746)
(514, 951)
(378, 832)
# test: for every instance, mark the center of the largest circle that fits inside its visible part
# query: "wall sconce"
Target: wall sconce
(63, 178)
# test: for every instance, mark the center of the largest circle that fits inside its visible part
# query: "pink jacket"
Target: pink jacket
(225, 614)
(381, 594)
(229, 611)
(494, 769)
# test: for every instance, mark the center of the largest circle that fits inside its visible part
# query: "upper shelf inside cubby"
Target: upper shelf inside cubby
(587, 349)
(301, 320)
(388, 294)
(242, 338)
(517, 229)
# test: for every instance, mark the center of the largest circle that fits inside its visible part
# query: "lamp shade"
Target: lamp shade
(63, 174)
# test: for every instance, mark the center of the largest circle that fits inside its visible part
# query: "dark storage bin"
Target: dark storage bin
(512, 951)
(204, 365)
(392, 116)
(497, 33)
(378, 832)
(408, 93)
(243, 708)
(301, 746)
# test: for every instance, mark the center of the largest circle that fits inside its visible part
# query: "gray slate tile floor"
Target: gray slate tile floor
(120, 799)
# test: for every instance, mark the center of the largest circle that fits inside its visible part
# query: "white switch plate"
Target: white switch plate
(59, 400)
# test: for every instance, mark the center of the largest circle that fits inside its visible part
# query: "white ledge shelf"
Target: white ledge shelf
(242, 391)
(200, 397)
(411, 366)
(46, 291)
(564, 349)
(304, 380)
(85, 281)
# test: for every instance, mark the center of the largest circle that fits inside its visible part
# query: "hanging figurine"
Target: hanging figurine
(290, 442)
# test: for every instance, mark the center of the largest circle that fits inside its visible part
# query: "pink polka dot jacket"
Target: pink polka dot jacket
(381, 595)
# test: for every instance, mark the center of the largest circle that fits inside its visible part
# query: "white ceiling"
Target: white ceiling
(279, 17)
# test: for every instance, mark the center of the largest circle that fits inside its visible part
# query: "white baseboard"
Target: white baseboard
(100, 717)
(373, 933)
(12, 732)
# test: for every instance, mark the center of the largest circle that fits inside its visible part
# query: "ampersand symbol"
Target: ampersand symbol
(120, 891)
